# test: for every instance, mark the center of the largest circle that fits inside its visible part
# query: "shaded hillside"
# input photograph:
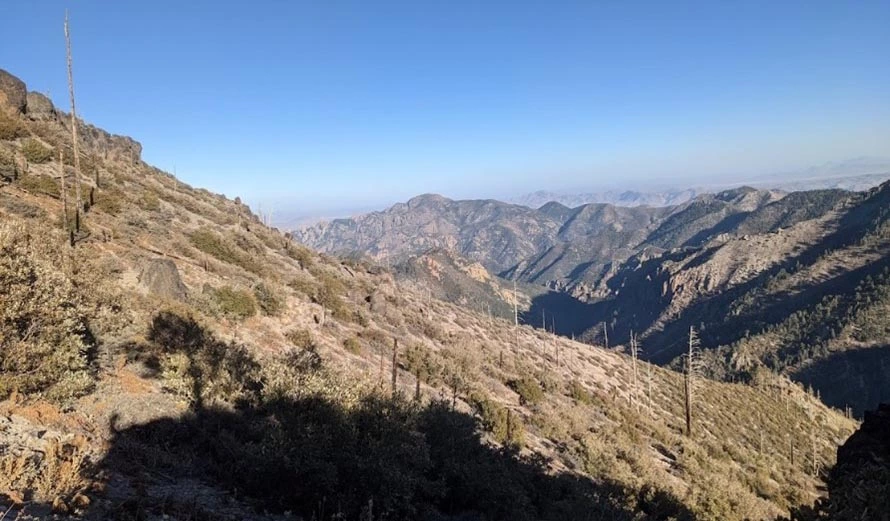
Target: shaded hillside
(859, 485)
(181, 359)
(790, 300)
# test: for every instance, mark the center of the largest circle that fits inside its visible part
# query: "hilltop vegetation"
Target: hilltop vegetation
(181, 359)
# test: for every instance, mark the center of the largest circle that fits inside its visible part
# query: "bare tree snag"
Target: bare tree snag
(78, 202)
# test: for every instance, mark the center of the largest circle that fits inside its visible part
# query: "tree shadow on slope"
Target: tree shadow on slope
(564, 314)
(857, 379)
(285, 450)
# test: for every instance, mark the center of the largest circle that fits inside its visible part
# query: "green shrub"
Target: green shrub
(304, 285)
(110, 201)
(45, 340)
(579, 393)
(328, 293)
(149, 201)
(201, 368)
(270, 302)
(353, 345)
(8, 167)
(506, 427)
(301, 338)
(235, 303)
(528, 389)
(35, 152)
(214, 245)
(40, 184)
(300, 254)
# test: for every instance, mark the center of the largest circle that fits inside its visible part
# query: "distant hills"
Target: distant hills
(854, 174)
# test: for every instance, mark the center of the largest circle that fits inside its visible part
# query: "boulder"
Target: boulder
(13, 93)
(39, 106)
(161, 278)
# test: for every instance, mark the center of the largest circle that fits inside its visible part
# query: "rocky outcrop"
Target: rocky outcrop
(40, 107)
(14, 97)
(110, 146)
(13, 93)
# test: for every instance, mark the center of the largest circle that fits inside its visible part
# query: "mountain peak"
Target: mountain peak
(426, 200)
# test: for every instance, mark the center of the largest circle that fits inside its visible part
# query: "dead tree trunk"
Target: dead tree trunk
(395, 364)
(64, 192)
(77, 205)
(688, 380)
(605, 336)
(515, 306)
(633, 356)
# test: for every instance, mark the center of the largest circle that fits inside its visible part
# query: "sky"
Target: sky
(314, 107)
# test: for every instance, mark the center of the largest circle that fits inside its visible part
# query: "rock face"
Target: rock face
(13, 93)
(111, 146)
(14, 97)
(161, 278)
(40, 107)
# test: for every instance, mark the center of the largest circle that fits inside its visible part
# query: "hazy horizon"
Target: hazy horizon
(359, 106)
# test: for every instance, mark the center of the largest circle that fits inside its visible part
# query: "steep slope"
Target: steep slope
(797, 299)
(182, 360)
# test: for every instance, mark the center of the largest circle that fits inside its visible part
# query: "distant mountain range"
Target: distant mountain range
(853, 174)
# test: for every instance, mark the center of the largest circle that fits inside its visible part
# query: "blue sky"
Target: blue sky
(318, 106)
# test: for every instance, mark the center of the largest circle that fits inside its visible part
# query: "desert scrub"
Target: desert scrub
(10, 127)
(199, 367)
(504, 425)
(149, 201)
(578, 393)
(301, 254)
(21, 208)
(35, 152)
(301, 338)
(353, 345)
(40, 184)
(303, 285)
(528, 389)
(45, 340)
(328, 293)
(270, 302)
(8, 168)
(234, 303)
(111, 201)
(224, 250)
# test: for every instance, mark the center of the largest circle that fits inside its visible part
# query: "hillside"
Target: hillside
(175, 358)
